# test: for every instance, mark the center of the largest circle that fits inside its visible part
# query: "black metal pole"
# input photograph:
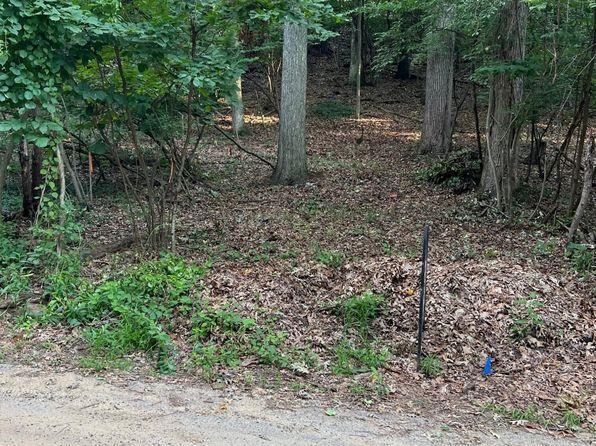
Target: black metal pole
(422, 303)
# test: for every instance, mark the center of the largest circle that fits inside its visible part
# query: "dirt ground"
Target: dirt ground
(39, 407)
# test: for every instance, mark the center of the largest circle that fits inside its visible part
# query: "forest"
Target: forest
(234, 192)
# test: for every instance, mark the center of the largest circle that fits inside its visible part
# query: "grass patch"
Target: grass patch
(333, 109)
(350, 359)
(332, 259)
(431, 366)
(360, 311)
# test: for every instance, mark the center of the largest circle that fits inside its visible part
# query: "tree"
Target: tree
(291, 152)
(499, 175)
(355, 46)
(238, 109)
(438, 111)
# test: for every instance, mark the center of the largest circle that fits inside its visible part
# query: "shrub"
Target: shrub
(460, 171)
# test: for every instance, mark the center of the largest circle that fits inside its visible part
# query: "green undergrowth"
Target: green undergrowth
(567, 419)
(140, 310)
(131, 312)
(459, 171)
(359, 351)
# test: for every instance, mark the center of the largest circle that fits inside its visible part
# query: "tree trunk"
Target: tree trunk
(36, 177)
(359, 63)
(4, 168)
(438, 106)
(589, 164)
(355, 52)
(503, 127)
(586, 95)
(291, 151)
(238, 109)
(26, 187)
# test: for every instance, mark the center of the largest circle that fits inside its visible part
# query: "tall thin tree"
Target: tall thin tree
(291, 165)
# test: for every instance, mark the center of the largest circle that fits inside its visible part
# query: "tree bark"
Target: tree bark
(353, 75)
(586, 94)
(503, 128)
(589, 164)
(238, 109)
(359, 62)
(291, 152)
(9, 149)
(26, 186)
(438, 106)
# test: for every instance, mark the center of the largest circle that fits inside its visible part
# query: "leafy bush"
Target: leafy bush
(333, 109)
(460, 171)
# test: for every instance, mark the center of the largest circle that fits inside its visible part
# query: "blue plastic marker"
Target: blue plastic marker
(488, 366)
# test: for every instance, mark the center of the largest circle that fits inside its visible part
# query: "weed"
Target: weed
(333, 109)
(387, 248)
(431, 366)
(491, 253)
(527, 321)
(128, 313)
(289, 255)
(571, 420)
(360, 311)
(350, 360)
(100, 363)
(224, 337)
(332, 259)
(581, 257)
(544, 248)
(528, 415)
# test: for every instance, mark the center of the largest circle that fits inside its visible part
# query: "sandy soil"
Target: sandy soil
(38, 407)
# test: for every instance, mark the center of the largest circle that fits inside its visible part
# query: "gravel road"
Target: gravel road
(44, 408)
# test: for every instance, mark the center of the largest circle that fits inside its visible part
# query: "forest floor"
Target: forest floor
(292, 255)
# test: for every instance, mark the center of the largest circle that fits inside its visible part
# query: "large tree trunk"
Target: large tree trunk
(238, 109)
(291, 152)
(438, 109)
(503, 126)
